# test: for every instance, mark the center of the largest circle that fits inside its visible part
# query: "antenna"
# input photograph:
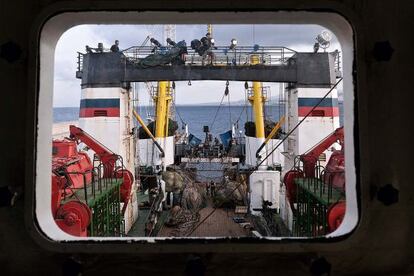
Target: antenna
(169, 32)
(210, 29)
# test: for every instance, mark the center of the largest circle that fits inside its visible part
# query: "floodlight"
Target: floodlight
(324, 39)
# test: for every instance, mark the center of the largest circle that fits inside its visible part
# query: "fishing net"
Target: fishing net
(185, 217)
(230, 193)
(182, 220)
(192, 199)
(162, 58)
(174, 181)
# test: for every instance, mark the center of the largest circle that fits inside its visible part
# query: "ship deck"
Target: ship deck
(212, 223)
(138, 229)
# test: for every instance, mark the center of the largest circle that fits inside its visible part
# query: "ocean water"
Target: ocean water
(65, 114)
(218, 118)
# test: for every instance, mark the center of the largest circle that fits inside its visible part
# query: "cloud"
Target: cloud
(67, 87)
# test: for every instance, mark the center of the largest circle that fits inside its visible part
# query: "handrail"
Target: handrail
(270, 55)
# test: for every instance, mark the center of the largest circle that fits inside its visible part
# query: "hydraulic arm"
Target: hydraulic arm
(108, 159)
(310, 158)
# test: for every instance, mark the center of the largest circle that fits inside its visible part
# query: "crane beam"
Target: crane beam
(303, 69)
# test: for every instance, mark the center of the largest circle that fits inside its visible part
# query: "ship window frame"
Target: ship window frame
(54, 22)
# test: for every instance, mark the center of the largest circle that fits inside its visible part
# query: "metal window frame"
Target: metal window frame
(65, 15)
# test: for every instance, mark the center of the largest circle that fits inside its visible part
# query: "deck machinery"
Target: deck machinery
(316, 194)
(106, 77)
(89, 198)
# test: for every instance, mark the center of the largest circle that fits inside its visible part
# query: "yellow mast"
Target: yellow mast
(167, 111)
(257, 102)
(164, 96)
(210, 29)
(162, 100)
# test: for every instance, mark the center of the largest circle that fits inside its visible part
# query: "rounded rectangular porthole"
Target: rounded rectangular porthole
(195, 131)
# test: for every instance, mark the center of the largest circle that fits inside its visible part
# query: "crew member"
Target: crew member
(115, 47)
(207, 45)
(171, 42)
(212, 188)
(208, 189)
(100, 48)
(156, 43)
(316, 47)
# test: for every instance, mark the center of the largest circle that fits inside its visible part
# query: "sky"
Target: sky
(67, 88)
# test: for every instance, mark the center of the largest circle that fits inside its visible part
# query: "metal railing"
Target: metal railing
(105, 189)
(80, 62)
(314, 196)
(222, 56)
(337, 60)
(265, 93)
(271, 55)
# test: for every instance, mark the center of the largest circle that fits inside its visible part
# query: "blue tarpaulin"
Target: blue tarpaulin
(226, 138)
(193, 141)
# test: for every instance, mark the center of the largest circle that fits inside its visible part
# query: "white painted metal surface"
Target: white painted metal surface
(264, 186)
(103, 129)
(285, 211)
(315, 129)
(150, 155)
(312, 130)
(253, 144)
(115, 134)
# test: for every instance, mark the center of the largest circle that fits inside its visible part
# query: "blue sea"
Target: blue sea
(218, 118)
(65, 114)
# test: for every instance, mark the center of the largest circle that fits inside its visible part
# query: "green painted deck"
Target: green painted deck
(138, 229)
(319, 190)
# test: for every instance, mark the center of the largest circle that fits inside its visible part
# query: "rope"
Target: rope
(298, 124)
(228, 100)
(226, 92)
(215, 116)
(241, 113)
(179, 115)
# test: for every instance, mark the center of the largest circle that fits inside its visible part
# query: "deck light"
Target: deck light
(323, 40)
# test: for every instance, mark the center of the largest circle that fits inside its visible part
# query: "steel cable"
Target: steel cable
(218, 109)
